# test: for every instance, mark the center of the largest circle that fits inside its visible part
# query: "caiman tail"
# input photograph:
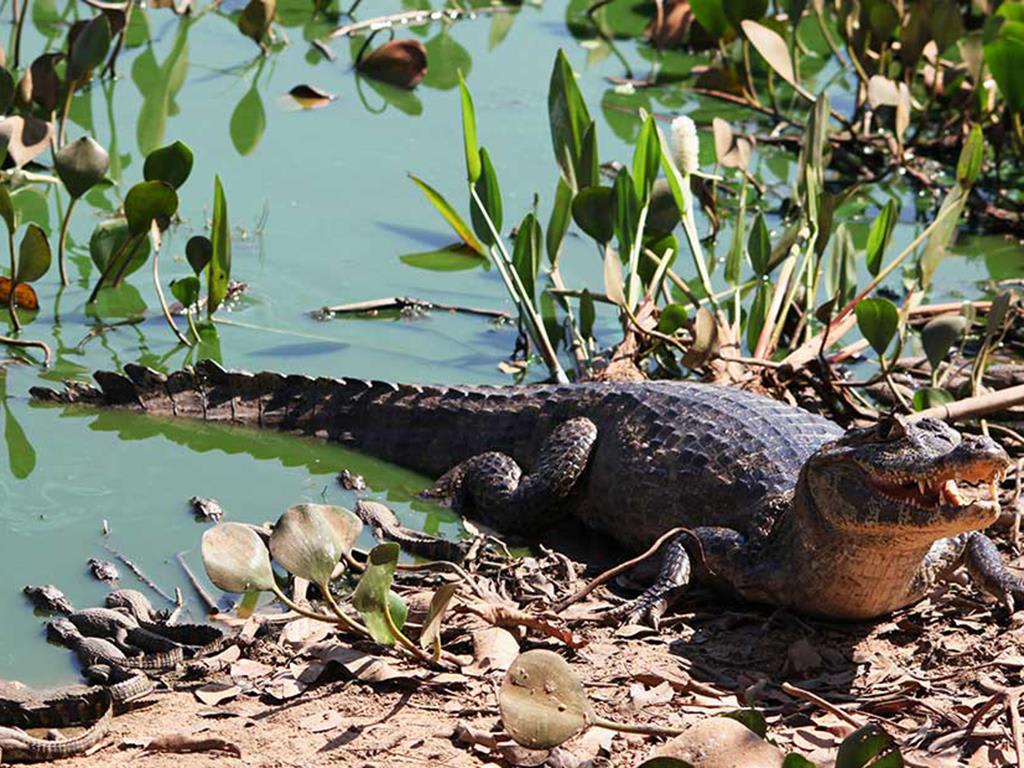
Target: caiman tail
(424, 428)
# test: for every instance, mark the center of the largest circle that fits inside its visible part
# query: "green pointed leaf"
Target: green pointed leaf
(33, 255)
(588, 172)
(646, 158)
(868, 746)
(558, 224)
(448, 214)
(309, 540)
(469, 132)
(734, 259)
(972, 156)
(248, 122)
(880, 234)
(374, 592)
(218, 271)
(21, 455)
(526, 253)
(793, 760)
(758, 314)
(81, 165)
(841, 268)
(90, 47)
(929, 397)
(236, 559)
(1003, 48)
(542, 702)
(452, 258)
(199, 252)
(490, 195)
(772, 47)
(186, 290)
(878, 320)
(588, 315)
(568, 118)
(592, 210)
(626, 211)
(148, 201)
(171, 164)
(759, 246)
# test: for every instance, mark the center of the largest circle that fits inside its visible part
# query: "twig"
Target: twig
(47, 352)
(131, 566)
(813, 698)
(205, 596)
(611, 573)
(416, 17)
(979, 405)
(404, 302)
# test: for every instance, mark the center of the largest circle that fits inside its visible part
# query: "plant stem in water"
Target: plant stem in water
(11, 308)
(61, 260)
(163, 301)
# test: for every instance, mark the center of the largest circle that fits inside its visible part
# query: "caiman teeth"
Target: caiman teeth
(952, 494)
(994, 488)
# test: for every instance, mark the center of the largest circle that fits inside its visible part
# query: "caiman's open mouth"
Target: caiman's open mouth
(941, 490)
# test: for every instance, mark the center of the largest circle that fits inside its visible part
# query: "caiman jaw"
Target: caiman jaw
(941, 491)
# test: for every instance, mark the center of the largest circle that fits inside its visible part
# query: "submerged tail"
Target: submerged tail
(424, 428)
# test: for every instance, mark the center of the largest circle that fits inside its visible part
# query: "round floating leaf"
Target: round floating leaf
(310, 539)
(673, 317)
(939, 335)
(198, 251)
(398, 62)
(186, 290)
(33, 255)
(147, 201)
(542, 702)
(172, 164)
(81, 165)
(878, 320)
(89, 48)
(107, 239)
(236, 559)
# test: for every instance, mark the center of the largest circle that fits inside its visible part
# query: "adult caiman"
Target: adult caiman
(789, 510)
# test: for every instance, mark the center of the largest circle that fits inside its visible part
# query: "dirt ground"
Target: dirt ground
(941, 677)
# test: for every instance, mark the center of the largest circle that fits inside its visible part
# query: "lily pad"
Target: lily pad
(236, 559)
(310, 539)
(81, 165)
(542, 702)
(146, 201)
(33, 255)
(107, 239)
(186, 290)
(171, 164)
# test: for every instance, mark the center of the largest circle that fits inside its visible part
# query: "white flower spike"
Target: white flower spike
(685, 145)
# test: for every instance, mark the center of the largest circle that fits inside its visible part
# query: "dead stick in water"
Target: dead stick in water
(406, 302)
(131, 566)
(205, 596)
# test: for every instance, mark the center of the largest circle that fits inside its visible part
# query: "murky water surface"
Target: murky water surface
(323, 213)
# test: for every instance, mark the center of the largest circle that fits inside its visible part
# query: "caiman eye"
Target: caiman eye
(892, 428)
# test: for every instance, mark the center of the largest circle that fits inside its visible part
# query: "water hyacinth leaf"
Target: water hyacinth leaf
(186, 290)
(41, 84)
(568, 118)
(759, 246)
(198, 252)
(672, 318)
(311, 97)
(218, 271)
(171, 164)
(646, 158)
(613, 285)
(542, 702)
(588, 170)
(772, 47)
(399, 62)
(33, 255)
(90, 47)
(236, 559)
(1003, 47)
(373, 592)
(968, 166)
(21, 455)
(489, 193)
(26, 137)
(592, 210)
(248, 122)
(880, 234)
(435, 614)
(626, 210)
(255, 19)
(939, 335)
(929, 397)
(81, 165)
(526, 253)
(148, 201)
(448, 214)
(558, 224)
(452, 258)
(758, 314)
(24, 295)
(469, 132)
(878, 320)
(868, 746)
(107, 239)
(7, 209)
(588, 315)
(306, 543)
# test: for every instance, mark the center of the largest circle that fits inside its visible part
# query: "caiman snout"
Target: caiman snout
(977, 459)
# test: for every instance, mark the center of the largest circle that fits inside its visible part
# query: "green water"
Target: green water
(322, 211)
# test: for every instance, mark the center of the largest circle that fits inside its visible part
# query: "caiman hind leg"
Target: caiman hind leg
(720, 552)
(984, 564)
(493, 488)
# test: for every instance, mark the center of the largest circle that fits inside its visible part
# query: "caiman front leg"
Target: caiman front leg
(984, 564)
(492, 487)
(723, 552)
